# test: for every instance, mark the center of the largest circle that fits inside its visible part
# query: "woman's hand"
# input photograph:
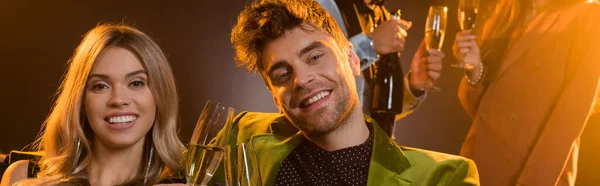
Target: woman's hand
(467, 51)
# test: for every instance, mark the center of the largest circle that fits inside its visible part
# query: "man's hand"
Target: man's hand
(426, 68)
(390, 36)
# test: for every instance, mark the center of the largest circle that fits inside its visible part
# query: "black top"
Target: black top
(308, 164)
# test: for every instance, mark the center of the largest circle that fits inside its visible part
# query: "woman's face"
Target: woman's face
(117, 100)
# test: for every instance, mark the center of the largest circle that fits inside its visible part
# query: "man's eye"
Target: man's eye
(284, 75)
(282, 78)
(316, 57)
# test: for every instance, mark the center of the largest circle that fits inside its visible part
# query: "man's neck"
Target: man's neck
(114, 166)
(351, 132)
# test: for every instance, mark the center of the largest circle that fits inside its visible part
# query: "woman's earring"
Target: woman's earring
(78, 151)
(149, 163)
(77, 154)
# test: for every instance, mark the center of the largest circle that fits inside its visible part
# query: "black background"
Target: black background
(38, 37)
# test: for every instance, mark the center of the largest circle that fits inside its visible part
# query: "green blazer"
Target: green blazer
(274, 138)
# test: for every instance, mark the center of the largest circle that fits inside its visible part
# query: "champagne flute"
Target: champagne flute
(467, 12)
(241, 166)
(435, 30)
(205, 151)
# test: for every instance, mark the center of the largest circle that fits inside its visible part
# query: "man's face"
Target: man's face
(311, 78)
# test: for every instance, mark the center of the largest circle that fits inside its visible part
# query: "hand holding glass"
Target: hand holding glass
(467, 14)
(435, 30)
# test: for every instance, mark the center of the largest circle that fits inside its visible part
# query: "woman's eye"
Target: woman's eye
(99, 87)
(137, 83)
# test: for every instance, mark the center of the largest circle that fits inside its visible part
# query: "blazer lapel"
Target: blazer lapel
(387, 160)
(271, 149)
(532, 35)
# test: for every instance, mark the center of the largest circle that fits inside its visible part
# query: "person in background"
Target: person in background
(373, 32)
(322, 136)
(115, 119)
(3, 164)
(532, 78)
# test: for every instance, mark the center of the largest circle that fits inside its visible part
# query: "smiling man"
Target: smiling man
(322, 136)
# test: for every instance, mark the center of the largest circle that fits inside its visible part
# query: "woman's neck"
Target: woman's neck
(110, 166)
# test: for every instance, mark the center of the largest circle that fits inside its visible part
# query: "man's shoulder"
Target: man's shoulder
(435, 167)
(246, 117)
(251, 123)
(429, 157)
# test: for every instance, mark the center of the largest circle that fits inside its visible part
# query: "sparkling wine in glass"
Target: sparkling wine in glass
(205, 150)
(241, 165)
(435, 30)
(435, 27)
(467, 12)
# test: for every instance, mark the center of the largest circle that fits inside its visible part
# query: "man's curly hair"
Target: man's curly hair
(267, 20)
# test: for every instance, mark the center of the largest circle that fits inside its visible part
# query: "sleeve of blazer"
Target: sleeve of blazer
(573, 107)
(410, 102)
(470, 95)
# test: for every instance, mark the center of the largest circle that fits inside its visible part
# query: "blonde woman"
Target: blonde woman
(115, 119)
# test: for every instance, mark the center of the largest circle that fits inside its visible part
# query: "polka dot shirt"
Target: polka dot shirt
(310, 165)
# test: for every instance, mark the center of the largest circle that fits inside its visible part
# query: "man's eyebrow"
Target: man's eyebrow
(277, 65)
(281, 63)
(311, 46)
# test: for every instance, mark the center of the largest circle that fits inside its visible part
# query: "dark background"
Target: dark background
(38, 37)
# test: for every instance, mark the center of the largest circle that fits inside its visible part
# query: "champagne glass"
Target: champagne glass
(241, 166)
(467, 12)
(435, 30)
(205, 150)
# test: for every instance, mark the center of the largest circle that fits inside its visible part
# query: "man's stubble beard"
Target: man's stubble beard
(326, 123)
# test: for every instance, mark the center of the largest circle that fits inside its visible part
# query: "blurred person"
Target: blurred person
(531, 80)
(374, 32)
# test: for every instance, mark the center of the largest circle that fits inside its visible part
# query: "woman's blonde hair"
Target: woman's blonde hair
(66, 125)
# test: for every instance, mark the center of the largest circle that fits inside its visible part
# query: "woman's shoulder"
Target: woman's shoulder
(17, 171)
(580, 18)
(588, 9)
(588, 15)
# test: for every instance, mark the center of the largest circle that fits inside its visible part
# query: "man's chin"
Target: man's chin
(317, 125)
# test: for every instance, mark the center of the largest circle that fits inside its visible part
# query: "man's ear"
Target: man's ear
(353, 60)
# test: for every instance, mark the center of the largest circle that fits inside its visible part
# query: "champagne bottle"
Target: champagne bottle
(387, 83)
